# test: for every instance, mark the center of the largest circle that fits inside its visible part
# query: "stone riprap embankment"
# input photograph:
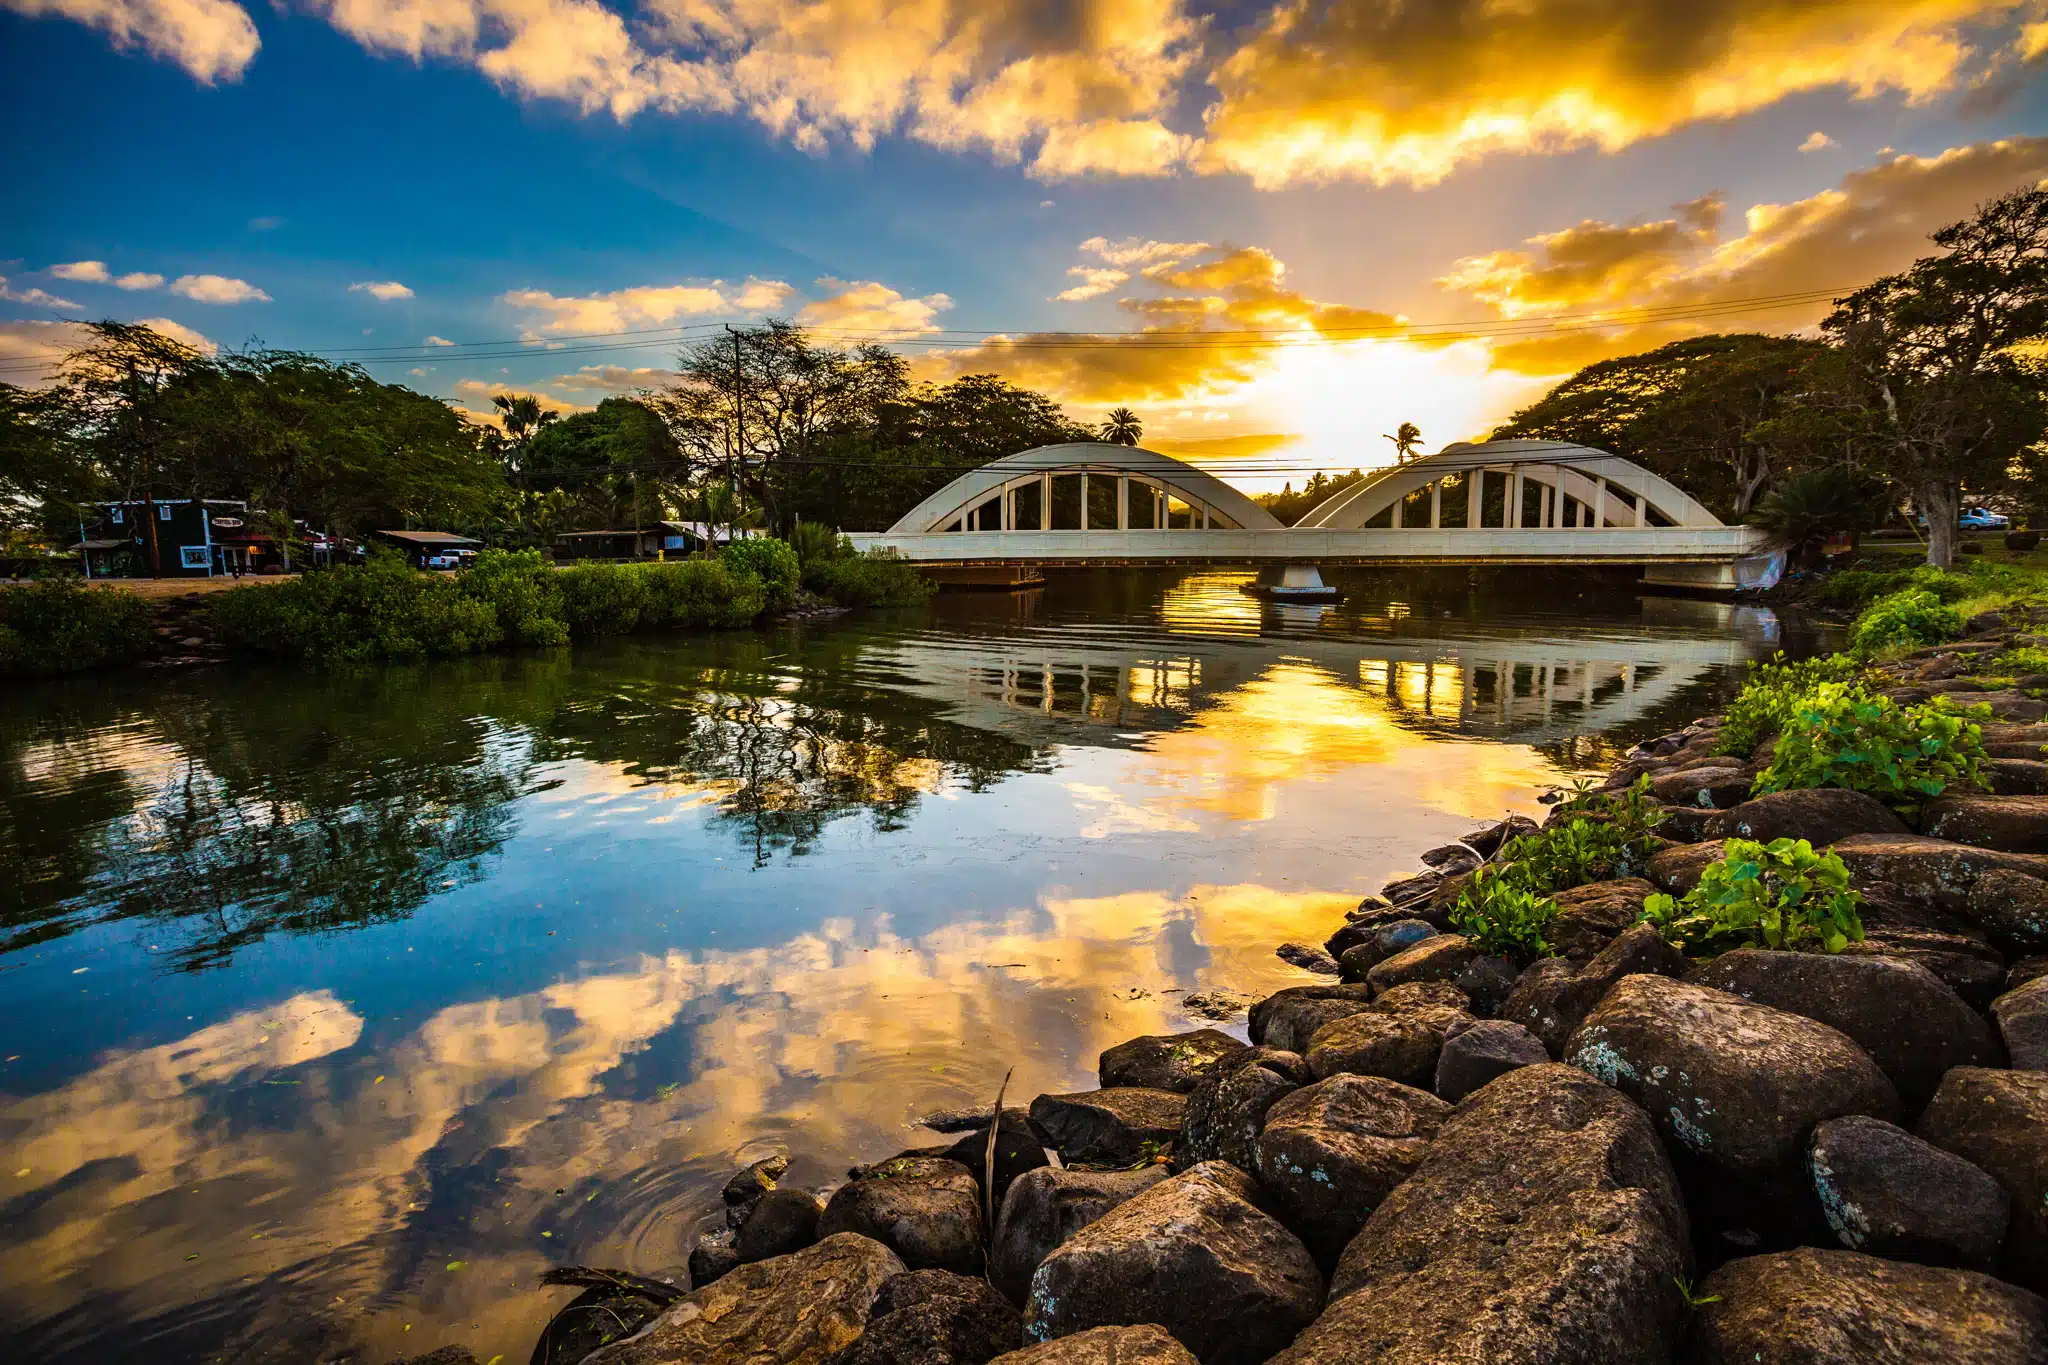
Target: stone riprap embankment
(1426, 1152)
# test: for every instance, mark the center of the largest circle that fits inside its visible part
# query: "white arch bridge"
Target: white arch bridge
(1500, 502)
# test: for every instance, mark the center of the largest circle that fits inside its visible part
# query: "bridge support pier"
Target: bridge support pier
(1293, 583)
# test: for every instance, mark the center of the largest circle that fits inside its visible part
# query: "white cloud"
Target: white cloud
(217, 289)
(873, 310)
(384, 291)
(213, 40)
(417, 372)
(1141, 251)
(178, 331)
(642, 306)
(1816, 141)
(96, 272)
(437, 341)
(34, 298)
(1095, 282)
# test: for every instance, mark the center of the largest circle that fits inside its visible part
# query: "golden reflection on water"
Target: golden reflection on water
(827, 1042)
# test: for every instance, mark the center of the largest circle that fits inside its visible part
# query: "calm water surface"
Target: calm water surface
(335, 1008)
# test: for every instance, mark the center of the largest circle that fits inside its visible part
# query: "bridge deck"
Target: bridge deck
(1311, 545)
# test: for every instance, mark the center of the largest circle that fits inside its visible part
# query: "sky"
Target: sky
(1279, 230)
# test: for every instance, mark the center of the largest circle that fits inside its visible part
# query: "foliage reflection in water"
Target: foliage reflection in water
(339, 1006)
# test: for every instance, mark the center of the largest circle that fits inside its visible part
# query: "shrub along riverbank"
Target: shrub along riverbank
(1741, 1055)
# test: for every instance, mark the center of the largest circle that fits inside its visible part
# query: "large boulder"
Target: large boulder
(1286, 1020)
(1810, 1307)
(782, 1220)
(1474, 1053)
(1228, 1109)
(1819, 815)
(1170, 1061)
(1887, 1192)
(1116, 1126)
(747, 1186)
(792, 1310)
(1333, 1151)
(1381, 942)
(1913, 1026)
(1144, 1344)
(713, 1256)
(1398, 1036)
(1047, 1206)
(1018, 1149)
(2017, 776)
(934, 1317)
(925, 1209)
(1590, 917)
(1735, 1085)
(2012, 824)
(1553, 996)
(1194, 1254)
(2022, 1016)
(1450, 958)
(1717, 784)
(1933, 872)
(1678, 869)
(1996, 1121)
(1544, 1226)
(2012, 907)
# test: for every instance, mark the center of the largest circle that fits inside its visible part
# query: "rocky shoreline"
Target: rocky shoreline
(1612, 1151)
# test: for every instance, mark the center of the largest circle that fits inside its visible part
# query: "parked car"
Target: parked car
(1982, 519)
(451, 559)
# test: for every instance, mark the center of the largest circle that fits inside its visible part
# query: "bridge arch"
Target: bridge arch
(1085, 485)
(1569, 485)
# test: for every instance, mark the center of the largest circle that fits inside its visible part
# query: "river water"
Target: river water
(334, 1007)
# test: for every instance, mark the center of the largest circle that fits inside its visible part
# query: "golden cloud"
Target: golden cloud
(214, 40)
(872, 311)
(1874, 221)
(1389, 92)
(643, 306)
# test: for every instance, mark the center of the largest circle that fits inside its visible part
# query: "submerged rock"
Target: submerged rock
(1842, 1308)
(1736, 1085)
(792, 1310)
(1307, 958)
(1888, 1193)
(741, 1192)
(1331, 1152)
(925, 1209)
(1169, 1061)
(1912, 1025)
(1995, 1120)
(1544, 1225)
(1046, 1207)
(1474, 1053)
(1114, 1126)
(1227, 1109)
(1194, 1254)
(713, 1257)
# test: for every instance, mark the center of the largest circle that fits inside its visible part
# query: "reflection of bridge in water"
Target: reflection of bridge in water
(1534, 689)
(1502, 502)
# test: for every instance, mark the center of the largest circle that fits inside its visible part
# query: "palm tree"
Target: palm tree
(1123, 427)
(523, 414)
(1407, 439)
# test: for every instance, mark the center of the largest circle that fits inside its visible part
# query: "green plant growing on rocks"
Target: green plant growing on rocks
(1776, 895)
(1910, 618)
(1502, 916)
(1842, 736)
(1632, 810)
(2018, 662)
(1770, 695)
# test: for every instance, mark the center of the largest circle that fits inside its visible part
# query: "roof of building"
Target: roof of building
(428, 537)
(102, 544)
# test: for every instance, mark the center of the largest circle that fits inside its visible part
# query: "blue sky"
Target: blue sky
(534, 171)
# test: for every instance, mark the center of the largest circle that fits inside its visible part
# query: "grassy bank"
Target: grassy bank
(512, 599)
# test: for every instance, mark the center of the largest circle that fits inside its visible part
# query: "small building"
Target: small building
(663, 539)
(420, 546)
(162, 538)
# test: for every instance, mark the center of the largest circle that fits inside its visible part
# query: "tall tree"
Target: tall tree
(618, 464)
(1122, 428)
(1690, 411)
(1937, 375)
